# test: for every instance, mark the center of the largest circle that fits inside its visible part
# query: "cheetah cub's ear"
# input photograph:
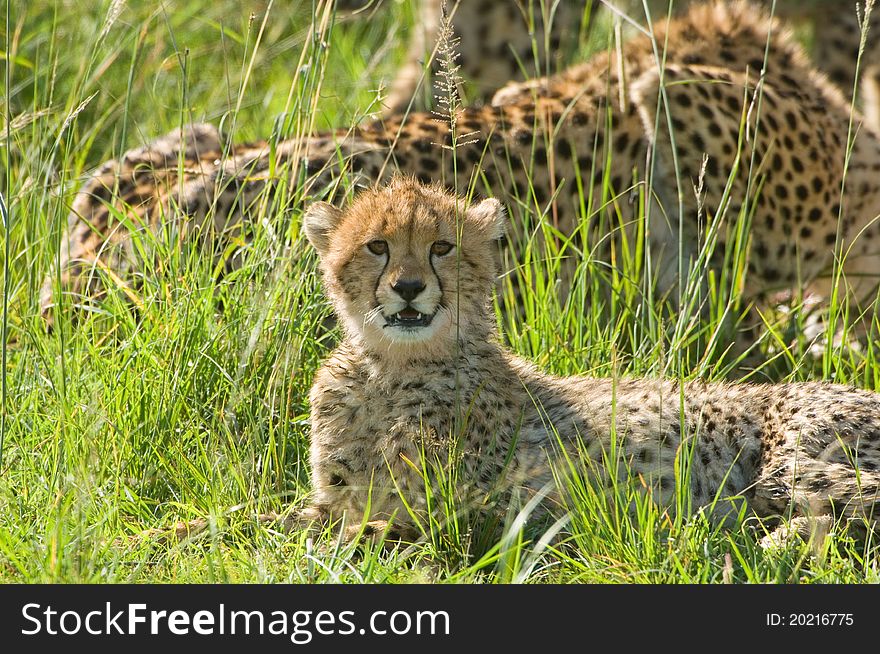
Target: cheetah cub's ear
(489, 214)
(319, 221)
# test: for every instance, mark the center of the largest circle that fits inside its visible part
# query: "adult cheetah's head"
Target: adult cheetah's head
(409, 267)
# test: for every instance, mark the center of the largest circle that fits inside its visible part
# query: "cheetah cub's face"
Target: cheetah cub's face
(409, 268)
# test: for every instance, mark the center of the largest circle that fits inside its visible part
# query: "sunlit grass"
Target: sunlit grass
(194, 405)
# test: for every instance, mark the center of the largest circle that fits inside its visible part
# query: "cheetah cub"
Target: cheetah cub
(420, 381)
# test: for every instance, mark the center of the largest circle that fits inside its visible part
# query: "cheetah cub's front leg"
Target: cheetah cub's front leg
(315, 520)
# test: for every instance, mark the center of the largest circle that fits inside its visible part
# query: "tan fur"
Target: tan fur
(542, 151)
(497, 41)
(871, 96)
(385, 409)
(837, 35)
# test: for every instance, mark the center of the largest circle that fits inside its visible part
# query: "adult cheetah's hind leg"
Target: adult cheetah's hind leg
(760, 179)
(756, 145)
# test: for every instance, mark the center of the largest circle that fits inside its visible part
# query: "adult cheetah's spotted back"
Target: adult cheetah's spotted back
(562, 151)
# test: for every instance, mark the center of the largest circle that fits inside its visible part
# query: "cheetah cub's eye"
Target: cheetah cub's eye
(441, 248)
(378, 247)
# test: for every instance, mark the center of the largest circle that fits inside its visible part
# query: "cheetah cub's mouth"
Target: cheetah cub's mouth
(409, 318)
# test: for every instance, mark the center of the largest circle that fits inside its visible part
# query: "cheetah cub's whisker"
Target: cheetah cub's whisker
(421, 378)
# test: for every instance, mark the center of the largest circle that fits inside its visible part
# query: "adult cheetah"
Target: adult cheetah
(421, 383)
(503, 40)
(764, 139)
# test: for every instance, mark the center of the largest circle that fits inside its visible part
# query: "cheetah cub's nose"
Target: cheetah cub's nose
(408, 289)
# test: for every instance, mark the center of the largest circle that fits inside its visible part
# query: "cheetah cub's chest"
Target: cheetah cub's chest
(373, 438)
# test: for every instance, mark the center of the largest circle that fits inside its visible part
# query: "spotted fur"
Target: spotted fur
(542, 148)
(837, 38)
(500, 40)
(387, 406)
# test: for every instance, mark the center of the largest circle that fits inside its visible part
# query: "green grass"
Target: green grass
(197, 407)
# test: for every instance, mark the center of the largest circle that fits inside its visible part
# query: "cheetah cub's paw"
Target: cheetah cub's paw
(808, 530)
(315, 521)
